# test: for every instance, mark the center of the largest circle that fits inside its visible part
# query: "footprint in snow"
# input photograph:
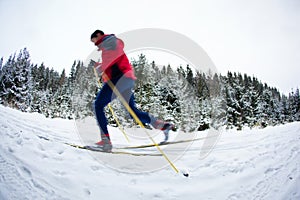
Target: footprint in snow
(95, 168)
(25, 170)
(133, 181)
(87, 191)
(60, 151)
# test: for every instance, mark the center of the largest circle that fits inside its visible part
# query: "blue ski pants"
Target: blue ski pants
(106, 95)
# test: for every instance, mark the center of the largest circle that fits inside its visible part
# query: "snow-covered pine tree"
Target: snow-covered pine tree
(86, 87)
(297, 104)
(181, 71)
(188, 100)
(264, 107)
(153, 100)
(218, 102)
(23, 72)
(168, 92)
(201, 86)
(215, 86)
(52, 79)
(33, 89)
(202, 92)
(62, 98)
(140, 67)
(166, 102)
(78, 85)
(233, 109)
(1, 77)
(238, 85)
(190, 76)
(1, 63)
(15, 81)
(284, 111)
(250, 96)
(95, 86)
(144, 87)
(38, 81)
(7, 81)
(293, 106)
(276, 106)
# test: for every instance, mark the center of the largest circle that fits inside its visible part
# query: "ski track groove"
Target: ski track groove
(274, 172)
(16, 180)
(13, 123)
(21, 177)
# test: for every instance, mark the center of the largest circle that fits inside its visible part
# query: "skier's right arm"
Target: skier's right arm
(97, 66)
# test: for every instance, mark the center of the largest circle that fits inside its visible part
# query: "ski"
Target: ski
(118, 150)
(90, 148)
(93, 148)
(162, 143)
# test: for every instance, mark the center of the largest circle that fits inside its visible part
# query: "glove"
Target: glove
(96, 65)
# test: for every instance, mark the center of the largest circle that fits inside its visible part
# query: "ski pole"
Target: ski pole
(111, 110)
(132, 113)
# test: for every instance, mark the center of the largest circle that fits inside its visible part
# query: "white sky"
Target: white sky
(257, 37)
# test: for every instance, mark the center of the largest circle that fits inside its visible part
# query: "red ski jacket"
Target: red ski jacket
(114, 60)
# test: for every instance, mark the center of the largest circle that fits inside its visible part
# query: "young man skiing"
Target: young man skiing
(116, 69)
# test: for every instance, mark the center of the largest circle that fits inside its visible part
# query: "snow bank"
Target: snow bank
(249, 164)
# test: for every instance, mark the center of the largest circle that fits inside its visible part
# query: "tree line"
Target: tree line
(193, 100)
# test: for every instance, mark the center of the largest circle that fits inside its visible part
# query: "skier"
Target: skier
(115, 67)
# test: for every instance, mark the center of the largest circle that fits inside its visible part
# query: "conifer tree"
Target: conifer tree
(1, 63)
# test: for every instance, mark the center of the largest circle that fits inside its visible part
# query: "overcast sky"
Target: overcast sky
(257, 37)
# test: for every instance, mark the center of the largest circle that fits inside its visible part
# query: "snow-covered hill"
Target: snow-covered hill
(249, 164)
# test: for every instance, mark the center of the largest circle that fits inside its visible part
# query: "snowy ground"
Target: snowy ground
(250, 164)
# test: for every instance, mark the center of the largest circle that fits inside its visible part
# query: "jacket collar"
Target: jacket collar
(102, 38)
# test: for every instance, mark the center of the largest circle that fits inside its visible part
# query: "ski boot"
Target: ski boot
(165, 127)
(104, 144)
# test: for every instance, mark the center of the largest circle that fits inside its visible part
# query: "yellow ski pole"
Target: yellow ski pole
(111, 110)
(132, 113)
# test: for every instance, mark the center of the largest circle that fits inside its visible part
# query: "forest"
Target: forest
(191, 99)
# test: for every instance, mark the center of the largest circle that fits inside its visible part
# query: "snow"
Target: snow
(247, 164)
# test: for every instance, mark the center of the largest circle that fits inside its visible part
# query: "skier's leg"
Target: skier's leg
(125, 87)
(146, 118)
(103, 98)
